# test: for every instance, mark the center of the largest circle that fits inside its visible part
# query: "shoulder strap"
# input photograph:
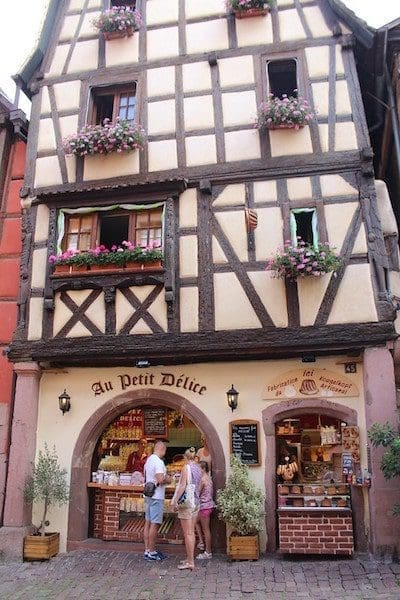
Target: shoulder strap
(189, 477)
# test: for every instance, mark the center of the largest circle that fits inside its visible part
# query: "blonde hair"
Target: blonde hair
(190, 453)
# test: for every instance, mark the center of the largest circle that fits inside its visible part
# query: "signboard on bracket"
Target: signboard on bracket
(310, 382)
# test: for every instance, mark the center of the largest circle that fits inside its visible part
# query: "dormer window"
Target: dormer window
(112, 102)
(282, 77)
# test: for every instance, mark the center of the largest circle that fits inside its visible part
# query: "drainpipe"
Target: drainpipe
(392, 106)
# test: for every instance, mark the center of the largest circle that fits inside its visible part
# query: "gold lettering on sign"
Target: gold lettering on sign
(303, 383)
(127, 381)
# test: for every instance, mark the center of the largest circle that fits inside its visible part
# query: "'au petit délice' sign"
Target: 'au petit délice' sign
(305, 383)
(127, 381)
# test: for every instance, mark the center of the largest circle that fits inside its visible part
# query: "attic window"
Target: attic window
(282, 77)
(131, 3)
(110, 103)
(303, 225)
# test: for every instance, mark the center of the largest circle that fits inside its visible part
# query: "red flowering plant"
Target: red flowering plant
(118, 19)
(117, 255)
(286, 112)
(243, 5)
(303, 260)
(121, 136)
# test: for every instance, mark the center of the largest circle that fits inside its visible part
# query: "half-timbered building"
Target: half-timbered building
(222, 197)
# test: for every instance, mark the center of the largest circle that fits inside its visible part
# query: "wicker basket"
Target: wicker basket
(326, 502)
(331, 490)
(307, 489)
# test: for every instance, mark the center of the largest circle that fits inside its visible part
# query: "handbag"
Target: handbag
(187, 500)
(149, 489)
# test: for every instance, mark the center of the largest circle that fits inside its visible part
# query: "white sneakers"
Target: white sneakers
(204, 556)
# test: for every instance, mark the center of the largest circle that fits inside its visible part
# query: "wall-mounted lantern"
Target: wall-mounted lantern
(232, 396)
(64, 402)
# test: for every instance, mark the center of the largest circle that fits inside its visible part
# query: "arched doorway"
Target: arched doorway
(78, 515)
(291, 408)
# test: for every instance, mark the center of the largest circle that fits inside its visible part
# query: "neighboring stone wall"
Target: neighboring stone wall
(319, 532)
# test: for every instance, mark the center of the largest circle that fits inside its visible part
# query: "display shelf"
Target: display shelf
(314, 508)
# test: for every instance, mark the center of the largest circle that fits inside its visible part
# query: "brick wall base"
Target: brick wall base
(316, 532)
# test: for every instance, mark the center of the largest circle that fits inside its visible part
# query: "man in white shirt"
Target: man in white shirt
(155, 472)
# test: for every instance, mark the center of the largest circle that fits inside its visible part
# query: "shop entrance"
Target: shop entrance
(88, 451)
(116, 493)
(284, 426)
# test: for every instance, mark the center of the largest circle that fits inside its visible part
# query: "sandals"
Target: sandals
(185, 565)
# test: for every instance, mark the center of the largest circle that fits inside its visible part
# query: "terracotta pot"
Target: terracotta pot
(243, 547)
(115, 35)
(37, 547)
(284, 126)
(150, 266)
(62, 269)
(79, 268)
(251, 12)
(109, 267)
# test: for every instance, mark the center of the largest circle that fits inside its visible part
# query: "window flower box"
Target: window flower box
(246, 9)
(303, 260)
(121, 136)
(118, 22)
(102, 260)
(287, 112)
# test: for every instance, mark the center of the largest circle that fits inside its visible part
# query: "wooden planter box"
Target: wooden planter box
(69, 269)
(115, 35)
(105, 268)
(37, 547)
(244, 547)
(251, 12)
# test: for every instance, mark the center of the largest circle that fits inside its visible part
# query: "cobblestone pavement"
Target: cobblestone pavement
(125, 576)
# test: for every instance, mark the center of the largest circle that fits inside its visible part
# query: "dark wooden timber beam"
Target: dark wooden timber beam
(165, 348)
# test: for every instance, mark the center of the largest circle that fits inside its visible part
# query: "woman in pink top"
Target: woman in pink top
(206, 507)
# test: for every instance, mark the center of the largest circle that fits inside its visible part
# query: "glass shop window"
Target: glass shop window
(79, 232)
(282, 77)
(303, 224)
(110, 103)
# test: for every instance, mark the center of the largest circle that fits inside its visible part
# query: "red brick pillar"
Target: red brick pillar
(17, 515)
(380, 406)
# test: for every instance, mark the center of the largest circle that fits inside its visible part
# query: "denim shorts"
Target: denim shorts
(154, 510)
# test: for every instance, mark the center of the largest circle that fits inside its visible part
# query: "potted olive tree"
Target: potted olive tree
(241, 506)
(48, 485)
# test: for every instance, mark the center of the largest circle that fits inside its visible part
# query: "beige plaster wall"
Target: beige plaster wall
(207, 36)
(67, 95)
(39, 263)
(189, 309)
(269, 219)
(188, 260)
(162, 155)
(232, 195)
(196, 77)
(188, 208)
(46, 136)
(250, 379)
(123, 51)
(162, 11)
(42, 223)
(338, 219)
(232, 306)
(347, 307)
(234, 227)
(112, 165)
(35, 318)
(161, 81)
(84, 57)
(251, 32)
(47, 172)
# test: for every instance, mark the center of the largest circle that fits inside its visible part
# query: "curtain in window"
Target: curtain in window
(94, 209)
(293, 225)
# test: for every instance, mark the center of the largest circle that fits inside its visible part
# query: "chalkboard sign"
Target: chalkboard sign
(155, 423)
(244, 441)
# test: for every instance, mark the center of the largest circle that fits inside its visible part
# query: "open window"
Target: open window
(282, 77)
(112, 102)
(303, 226)
(142, 226)
(131, 3)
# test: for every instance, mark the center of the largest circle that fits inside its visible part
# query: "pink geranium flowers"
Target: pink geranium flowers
(303, 260)
(287, 112)
(118, 255)
(121, 136)
(118, 19)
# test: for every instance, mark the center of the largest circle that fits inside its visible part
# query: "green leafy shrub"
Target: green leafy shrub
(48, 484)
(387, 437)
(241, 502)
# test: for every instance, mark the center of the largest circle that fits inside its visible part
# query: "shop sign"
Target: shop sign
(128, 381)
(306, 383)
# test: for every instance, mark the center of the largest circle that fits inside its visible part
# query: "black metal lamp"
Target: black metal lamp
(64, 402)
(232, 396)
